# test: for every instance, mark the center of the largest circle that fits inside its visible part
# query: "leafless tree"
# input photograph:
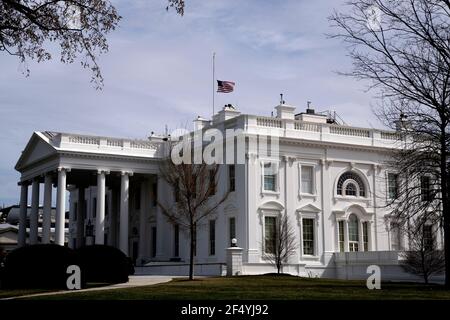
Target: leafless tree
(422, 258)
(79, 27)
(402, 48)
(278, 247)
(196, 197)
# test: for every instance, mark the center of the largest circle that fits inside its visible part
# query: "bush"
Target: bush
(106, 264)
(38, 266)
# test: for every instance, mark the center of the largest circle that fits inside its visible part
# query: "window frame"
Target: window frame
(275, 163)
(313, 179)
(277, 218)
(388, 185)
(231, 178)
(212, 240)
(314, 236)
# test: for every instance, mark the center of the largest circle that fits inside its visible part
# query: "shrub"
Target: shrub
(38, 266)
(101, 263)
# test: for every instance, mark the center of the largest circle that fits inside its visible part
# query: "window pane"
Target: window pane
(232, 229)
(212, 237)
(392, 186)
(308, 236)
(341, 236)
(428, 238)
(425, 188)
(366, 235)
(395, 236)
(353, 232)
(269, 177)
(270, 234)
(176, 240)
(231, 178)
(350, 190)
(307, 179)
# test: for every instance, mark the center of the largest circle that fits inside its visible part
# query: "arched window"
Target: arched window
(351, 184)
(353, 233)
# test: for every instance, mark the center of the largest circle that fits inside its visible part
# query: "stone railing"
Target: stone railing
(106, 144)
(320, 131)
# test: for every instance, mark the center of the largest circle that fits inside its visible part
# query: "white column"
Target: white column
(361, 236)
(124, 194)
(61, 207)
(34, 216)
(100, 218)
(23, 214)
(47, 212)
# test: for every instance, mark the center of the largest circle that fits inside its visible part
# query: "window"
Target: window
(428, 239)
(351, 189)
(94, 209)
(307, 179)
(75, 211)
(212, 182)
(308, 236)
(353, 233)
(155, 194)
(396, 239)
(176, 240)
(176, 190)
(425, 190)
(106, 205)
(212, 237)
(231, 178)
(270, 236)
(232, 231)
(341, 236)
(270, 177)
(365, 227)
(137, 198)
(153, 242)
(351, 184)
(392, 186)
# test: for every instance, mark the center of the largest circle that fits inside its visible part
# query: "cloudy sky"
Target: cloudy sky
(159, 71)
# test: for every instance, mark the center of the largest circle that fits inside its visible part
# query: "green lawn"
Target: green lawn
(263, 287)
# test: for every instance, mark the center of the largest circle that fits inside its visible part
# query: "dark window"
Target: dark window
(428, 238)
(105, 238)
(153, 242)
(341, 237)
(425, 190)
(270, 228)
(137, 198)
(365, 230)
(94, 210)
(350, 189)
(357, 183)
(176, 190)
(392, 186)
(232, 230)
(176, 240)
(212, 182)
(106, 206)
(231, 178)
(75, 212)
(353, 233)
(212, 237)
(155, 194)
(308, 236)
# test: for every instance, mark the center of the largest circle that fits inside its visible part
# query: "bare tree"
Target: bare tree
(402, 48)
(195, 189)
(422, 258)
(79, 27)
(280, 244)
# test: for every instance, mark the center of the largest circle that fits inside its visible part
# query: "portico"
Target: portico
(110, 182)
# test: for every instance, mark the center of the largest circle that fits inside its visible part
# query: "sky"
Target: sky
(158, 72)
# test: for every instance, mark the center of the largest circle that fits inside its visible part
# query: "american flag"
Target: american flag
(225, 86)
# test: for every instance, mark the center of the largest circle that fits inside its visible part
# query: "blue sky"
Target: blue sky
(158, 71)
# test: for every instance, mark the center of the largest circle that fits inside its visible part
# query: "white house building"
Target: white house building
(331, 180)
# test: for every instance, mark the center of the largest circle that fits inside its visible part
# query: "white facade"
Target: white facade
(111, 183)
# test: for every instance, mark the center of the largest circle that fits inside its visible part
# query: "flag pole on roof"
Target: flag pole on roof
(213, 80)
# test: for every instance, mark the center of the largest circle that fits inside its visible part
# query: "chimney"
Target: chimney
(228, 112)
(200, 123)
(285, 111)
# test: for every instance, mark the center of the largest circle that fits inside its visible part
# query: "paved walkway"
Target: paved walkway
(134, 281)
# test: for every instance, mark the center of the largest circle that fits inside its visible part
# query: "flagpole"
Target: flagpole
(213, 80)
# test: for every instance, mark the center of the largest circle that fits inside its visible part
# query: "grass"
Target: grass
(267, 287)
(9, 293)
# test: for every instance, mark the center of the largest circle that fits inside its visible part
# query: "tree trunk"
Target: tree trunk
(191, 254)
